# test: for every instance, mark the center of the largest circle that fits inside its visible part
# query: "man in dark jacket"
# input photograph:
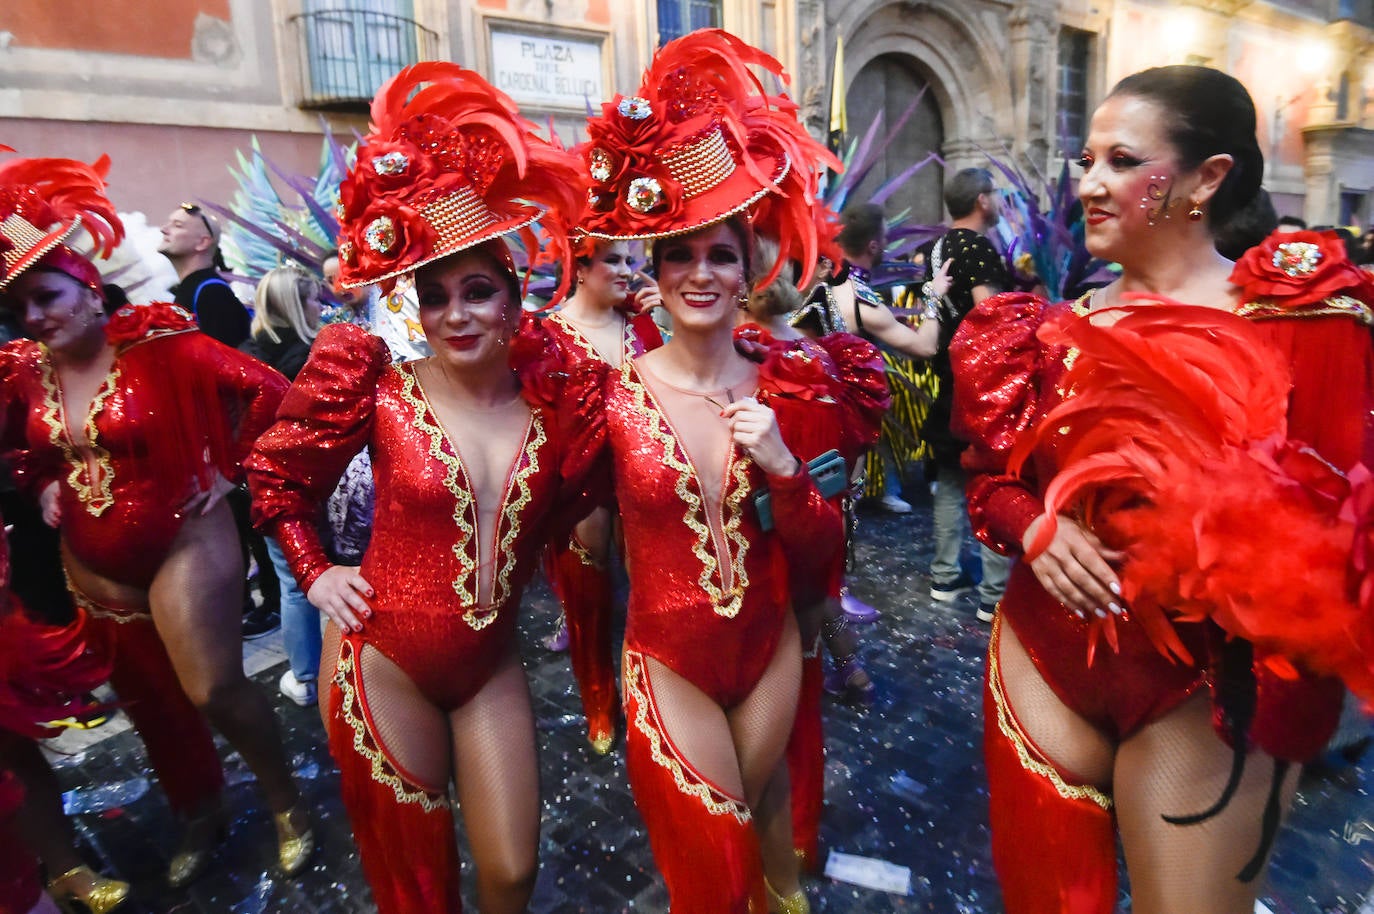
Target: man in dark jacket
(190, 240)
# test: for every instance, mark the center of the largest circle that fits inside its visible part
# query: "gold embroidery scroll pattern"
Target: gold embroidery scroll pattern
(92, 490)
(716, 803)
(367, 745)
(465, 585)
(477, 617)
(1012, 731)
(724, 603)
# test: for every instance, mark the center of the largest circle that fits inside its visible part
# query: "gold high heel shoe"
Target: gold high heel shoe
(204, 834)
(294, 844)
(795, 903)
(100, 896)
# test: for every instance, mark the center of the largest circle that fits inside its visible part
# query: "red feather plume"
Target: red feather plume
(694, 83)
(48, 192)
(455, 131)
(1173, 444)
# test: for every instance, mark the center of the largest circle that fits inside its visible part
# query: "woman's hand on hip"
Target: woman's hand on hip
(1076, 569)
(341, 593)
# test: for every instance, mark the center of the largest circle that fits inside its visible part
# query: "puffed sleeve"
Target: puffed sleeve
(861, 390)
(32, 468)
(570, 393)
(997, 365)
(325, 418)
(253, 389)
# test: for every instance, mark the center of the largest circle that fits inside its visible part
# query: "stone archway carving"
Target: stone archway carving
(960, 49)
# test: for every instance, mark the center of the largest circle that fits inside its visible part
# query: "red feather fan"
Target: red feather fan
(1173, 445)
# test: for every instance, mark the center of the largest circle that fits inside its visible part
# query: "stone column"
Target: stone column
(812, 77)
(1034, 31)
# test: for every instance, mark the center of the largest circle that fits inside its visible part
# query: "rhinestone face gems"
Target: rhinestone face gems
(1297, 258)
(380, 234)
(600, 165)
(393, 163)
(635, 108)
(643, 194)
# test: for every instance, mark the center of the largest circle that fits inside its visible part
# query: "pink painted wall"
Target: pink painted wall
(154, 168)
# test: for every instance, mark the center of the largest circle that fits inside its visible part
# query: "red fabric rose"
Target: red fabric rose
(1299, 268)
(538, 362)
(787, 368)
(388, 236)
(397, 168)
(134, 322)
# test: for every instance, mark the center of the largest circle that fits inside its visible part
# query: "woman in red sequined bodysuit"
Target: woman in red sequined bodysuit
(1081, 744)
(595, 323)
(132, 430)
(712, 663)
(479, 454)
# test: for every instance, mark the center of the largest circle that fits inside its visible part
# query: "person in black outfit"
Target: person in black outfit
(190, 240)
(976, 271)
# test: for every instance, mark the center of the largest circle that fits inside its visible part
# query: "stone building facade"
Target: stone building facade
(1020, 77)
(171, 89)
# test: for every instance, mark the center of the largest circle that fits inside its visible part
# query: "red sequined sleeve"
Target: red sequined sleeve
(860, 388)
(32, 469)
(252, 390)
(997, 364)
(570, 391)
(325, 419)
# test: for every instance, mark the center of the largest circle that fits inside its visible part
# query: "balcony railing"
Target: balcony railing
(346, 54)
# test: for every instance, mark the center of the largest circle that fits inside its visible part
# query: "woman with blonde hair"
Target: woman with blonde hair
(286, 319)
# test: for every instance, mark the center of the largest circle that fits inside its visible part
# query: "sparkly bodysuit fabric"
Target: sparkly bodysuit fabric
(121, 509)
(431, 617)
(1007, 380)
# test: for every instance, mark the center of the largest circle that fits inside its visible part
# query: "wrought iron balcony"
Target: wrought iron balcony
(346, 54)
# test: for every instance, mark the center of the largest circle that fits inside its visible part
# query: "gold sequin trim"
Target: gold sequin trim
(1336, 306)
(576, 335)
(1006, 722)
(700, 165)
(724, 601)
(366, 744)
(583, 554)
(93, 490)
(453, 471)
(122, 615)
(716, 802)
(520, 480)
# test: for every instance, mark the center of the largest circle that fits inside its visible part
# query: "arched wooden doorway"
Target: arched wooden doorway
(886, 85)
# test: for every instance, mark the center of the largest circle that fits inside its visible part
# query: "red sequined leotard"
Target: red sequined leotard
(1008, 379)
(430, 617)
(172, 393)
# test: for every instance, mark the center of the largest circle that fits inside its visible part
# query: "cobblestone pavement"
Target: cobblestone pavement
(904, 783)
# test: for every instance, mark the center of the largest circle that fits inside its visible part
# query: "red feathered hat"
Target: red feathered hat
(449, 164)
(700, 142)
(42, 203)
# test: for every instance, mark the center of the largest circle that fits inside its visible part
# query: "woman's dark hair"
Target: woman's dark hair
(1208, 113)
(1247, 227)
(115, 298)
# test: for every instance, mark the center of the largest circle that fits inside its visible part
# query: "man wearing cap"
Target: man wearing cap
(190, 240)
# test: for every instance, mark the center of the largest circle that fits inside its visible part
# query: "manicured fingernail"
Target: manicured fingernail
(1116, 610)
(1101, 613)
(373, 593)
(1079, 614)
(1115, 588)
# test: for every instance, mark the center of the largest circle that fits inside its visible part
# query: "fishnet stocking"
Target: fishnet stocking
(1078, 749)
(411, 731)
(1176, 766)
(498, 788)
